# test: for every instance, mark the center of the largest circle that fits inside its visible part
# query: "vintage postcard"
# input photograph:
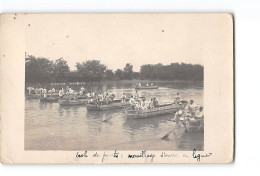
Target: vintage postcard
(117, 88)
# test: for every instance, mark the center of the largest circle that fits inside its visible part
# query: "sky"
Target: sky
(117, 39)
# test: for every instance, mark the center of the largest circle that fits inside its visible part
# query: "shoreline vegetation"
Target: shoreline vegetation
(39, 70)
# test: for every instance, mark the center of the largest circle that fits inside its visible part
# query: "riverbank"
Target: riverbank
(112, 81)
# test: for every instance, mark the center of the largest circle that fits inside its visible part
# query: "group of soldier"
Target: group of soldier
(187, 110)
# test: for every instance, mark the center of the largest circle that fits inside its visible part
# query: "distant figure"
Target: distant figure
(44, 91)
(88, 95)
(155, 102)
(92, 94)
(177, 99)
(71, 91)
(61, 93)
(82, 89)
(37, 90)
(137, 105)
(100, 97)
(67, 88)
(29, 89)
(192, 108)
(110, 97)
(105, 94)
(132, 102)
(139, 84)
(151, 104)
(200, 114)
(185, 107)
(40, 91)
(142, 104)
(123, 98)
(179, 116)
(136, 95)
(95, 96)
(75, 95)
(53, 90)
(147, 104)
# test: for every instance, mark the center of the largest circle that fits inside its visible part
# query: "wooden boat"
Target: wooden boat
(32, 96)
(64, 102)
(115, 104)
(165, 108)
(146, 87)
(49, 99)
(194, 125)
(82, 97)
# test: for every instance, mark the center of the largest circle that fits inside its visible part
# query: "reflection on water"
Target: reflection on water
(49, 126)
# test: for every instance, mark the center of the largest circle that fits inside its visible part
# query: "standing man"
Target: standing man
(61, 93)
(136, 95)
(177, 98)
(155, 102)
(44, 91)
(29, 89)
(123, 98)
(132, 102)
(82, 89)
(105, 94)
(192, 107)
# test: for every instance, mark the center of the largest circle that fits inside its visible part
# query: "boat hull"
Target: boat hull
(194, 125)
(49, 99)
(110, 106)
(32, 96)
(72, 102)
(161, 110)
(148, 87)
(82, 97)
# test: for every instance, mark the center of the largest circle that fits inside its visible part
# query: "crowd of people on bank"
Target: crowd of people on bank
(41, 91)
(68, 93)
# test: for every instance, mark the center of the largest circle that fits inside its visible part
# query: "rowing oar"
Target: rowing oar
(167, 135)
(105, 120)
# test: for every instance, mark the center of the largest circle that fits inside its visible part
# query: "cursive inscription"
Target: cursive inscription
(111, 155)
(143, 154)
(198, 156)
(82, 155)
(168, 155)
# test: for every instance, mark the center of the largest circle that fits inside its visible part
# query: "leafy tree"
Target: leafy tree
(42, 70)
(174, 71)
(136, 75)
(109, 75)
(38, 70)
(61, 69)
(91, 70)
(128, 71)
(119, 74)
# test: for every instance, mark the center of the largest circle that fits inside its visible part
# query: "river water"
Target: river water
(49, 126)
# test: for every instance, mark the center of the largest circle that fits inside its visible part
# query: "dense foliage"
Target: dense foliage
(43, 70)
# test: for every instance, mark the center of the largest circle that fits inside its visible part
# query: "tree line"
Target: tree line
(43, 70)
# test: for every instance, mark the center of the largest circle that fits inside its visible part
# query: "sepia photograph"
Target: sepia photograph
(117, 88)
(97, 85)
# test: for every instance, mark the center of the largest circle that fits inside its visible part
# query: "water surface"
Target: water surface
(49, 126)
